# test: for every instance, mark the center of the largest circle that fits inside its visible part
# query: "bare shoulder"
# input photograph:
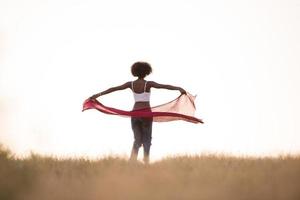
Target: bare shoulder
(153, 84)
(124, 86)
(127, 84)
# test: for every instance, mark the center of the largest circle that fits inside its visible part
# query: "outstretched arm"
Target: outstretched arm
(112, 89)
(168, 87)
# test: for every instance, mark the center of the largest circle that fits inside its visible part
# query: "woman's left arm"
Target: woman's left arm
(112, 89)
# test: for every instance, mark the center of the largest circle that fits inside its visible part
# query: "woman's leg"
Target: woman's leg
(147, 137)
(137, 131)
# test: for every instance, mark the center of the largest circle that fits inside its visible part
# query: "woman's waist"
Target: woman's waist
(141, 105)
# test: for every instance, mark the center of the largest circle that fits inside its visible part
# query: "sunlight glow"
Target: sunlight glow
(241, 58)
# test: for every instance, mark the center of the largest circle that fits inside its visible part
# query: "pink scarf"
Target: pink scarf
(181, 108)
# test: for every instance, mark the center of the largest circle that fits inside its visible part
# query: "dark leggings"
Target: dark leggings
(142, 130)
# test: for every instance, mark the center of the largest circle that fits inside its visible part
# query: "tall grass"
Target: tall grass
(183, 177)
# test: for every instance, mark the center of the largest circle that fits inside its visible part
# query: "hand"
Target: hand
(94, 96)
(182, 91)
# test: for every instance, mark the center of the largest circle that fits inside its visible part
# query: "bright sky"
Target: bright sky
(240, 57)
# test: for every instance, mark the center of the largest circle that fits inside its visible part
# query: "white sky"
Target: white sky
(240, 57)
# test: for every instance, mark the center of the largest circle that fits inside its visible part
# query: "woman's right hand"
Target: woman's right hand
(95, 96)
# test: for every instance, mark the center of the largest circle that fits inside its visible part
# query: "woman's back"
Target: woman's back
(139, 86)
(141, 92)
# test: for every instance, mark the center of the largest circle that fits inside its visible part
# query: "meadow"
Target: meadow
(203, 177)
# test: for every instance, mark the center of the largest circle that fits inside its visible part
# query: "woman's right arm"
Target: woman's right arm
(112, 89)
(164, 86)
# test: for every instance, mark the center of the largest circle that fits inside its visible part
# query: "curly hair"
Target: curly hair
(141, 69)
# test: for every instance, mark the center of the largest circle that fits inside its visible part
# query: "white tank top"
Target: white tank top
(141, 97)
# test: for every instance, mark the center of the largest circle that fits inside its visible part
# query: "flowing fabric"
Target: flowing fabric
(181, 108)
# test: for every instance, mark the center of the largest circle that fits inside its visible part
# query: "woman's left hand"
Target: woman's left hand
(182, 91)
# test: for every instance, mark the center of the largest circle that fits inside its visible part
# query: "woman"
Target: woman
(141, 126)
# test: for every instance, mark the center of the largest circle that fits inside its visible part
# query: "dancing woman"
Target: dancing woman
(141, 126)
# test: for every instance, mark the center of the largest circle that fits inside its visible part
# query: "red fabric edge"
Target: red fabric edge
(157, 116)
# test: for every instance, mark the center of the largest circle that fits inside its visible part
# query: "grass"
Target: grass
(183, 177)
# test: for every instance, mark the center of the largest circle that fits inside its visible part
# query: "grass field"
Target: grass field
(206, 177)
